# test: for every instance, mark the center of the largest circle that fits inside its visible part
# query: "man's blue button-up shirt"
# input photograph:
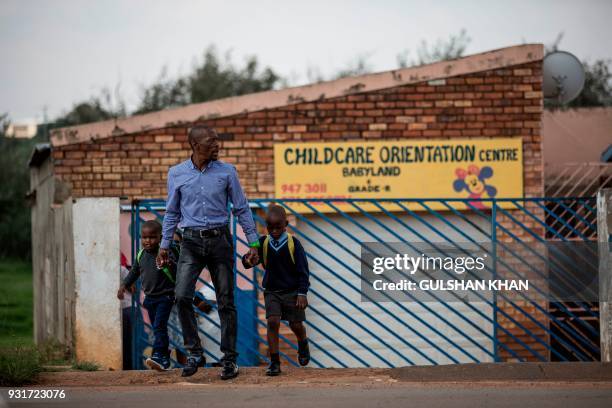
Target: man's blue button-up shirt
(199, 199)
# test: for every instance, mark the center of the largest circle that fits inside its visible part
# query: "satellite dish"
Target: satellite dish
(563, 77)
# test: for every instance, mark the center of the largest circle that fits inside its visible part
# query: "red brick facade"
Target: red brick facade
(501, 102)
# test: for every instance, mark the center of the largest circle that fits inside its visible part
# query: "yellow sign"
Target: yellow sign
(424, 169)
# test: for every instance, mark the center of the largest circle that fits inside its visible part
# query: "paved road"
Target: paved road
(430, 396)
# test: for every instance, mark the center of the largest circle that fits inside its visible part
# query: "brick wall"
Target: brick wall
(501, 102)
(522, 320)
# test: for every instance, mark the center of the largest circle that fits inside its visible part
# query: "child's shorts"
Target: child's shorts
(283, 304)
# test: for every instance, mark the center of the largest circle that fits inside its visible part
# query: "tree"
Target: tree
(212, 78)
(14, 179)
(216, 79)
(97, 108)
(164, 93)
(442, 50)
(597, 89)
(359, 66)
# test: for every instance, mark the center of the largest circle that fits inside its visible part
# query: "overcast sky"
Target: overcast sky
(56, 53)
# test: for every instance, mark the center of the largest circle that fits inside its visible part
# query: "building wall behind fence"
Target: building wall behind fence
(503, 102)
(421, 321)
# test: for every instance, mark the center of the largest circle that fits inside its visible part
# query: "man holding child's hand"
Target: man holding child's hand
(199, 190)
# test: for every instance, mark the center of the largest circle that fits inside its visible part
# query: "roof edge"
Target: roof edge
(494, 59)
(39, 153)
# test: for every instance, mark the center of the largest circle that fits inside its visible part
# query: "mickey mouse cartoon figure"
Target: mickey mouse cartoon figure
(473, 181)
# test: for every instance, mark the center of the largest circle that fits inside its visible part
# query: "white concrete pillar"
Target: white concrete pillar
(96, 258)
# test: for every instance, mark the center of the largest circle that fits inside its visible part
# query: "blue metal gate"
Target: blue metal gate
(345, 331)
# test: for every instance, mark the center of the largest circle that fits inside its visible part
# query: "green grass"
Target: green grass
(20, 360)
(16, 318)
(85, 366)
(19, 365)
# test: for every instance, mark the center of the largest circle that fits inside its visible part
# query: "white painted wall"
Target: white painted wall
(96, 258)
(351, 289)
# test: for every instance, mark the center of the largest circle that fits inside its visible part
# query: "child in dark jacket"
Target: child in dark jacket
(158, 286)
(285, 282)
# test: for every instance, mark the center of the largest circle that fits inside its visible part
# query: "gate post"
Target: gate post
(246, 306)
(494, 252)
(604, 227)
(138, 332)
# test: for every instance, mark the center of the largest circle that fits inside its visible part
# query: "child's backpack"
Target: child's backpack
(165, 269)
(290, 244)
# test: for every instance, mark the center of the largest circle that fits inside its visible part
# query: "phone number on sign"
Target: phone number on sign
(307, 188)
(36, 394)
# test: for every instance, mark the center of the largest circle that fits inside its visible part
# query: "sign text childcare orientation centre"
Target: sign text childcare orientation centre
(457, 168)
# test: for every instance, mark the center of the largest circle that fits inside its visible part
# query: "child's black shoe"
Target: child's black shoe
(193, 362)
(273, 369)
(303, 353)
(158, 362)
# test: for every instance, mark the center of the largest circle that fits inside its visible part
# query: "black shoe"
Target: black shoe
(229, 371)
(303, 353)
(193, 362)
(273, 369)
(158, 362)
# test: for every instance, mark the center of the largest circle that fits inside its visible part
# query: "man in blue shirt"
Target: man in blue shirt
(199, 190)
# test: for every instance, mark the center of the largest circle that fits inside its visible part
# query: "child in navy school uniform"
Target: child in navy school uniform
(285, 282)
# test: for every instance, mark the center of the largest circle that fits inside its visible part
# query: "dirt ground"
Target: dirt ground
(293, 377)
(508, 386)
(210, 376)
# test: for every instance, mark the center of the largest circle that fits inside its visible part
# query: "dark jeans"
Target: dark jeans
(217, 254)
(159, 308)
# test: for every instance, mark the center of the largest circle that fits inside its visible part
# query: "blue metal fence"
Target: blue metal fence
(346, 331)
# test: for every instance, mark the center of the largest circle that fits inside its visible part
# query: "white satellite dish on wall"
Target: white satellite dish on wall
(563, 77)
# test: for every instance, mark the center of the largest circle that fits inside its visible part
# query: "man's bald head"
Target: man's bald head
(204, 144)
(199, 134)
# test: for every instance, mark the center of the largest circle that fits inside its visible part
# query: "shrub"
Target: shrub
(19, 365)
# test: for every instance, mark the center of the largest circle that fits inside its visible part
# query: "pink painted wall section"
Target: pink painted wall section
(241, 249)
